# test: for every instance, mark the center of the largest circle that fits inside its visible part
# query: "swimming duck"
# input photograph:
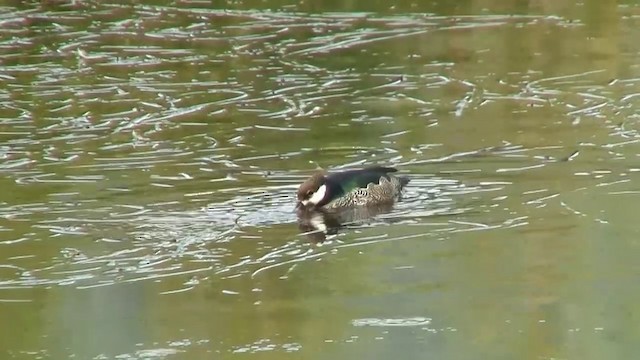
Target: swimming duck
(365, 187)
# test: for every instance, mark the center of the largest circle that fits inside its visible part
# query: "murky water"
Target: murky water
(149, 156)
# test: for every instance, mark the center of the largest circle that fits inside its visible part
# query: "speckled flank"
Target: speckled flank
(387, 191)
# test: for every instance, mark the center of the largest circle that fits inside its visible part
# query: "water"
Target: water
(149, 157)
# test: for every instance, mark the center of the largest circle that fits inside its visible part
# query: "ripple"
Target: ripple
(410, 321)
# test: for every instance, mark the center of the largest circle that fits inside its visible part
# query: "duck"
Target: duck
(371, 186)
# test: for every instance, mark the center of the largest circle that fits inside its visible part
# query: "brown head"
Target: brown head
(312, 191)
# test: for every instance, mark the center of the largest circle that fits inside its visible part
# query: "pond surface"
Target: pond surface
(149, 157)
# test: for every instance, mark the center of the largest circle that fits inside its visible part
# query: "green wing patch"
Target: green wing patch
(350, 180)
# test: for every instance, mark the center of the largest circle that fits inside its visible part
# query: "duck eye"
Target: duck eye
(309, 192)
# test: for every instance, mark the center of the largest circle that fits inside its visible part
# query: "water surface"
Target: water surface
(149, 156)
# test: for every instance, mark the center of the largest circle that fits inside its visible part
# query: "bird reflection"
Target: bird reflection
(317, 224)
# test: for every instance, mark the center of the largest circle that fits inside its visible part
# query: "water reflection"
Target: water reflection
(319, 224)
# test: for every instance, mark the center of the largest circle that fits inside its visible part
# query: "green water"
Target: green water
(150, 154)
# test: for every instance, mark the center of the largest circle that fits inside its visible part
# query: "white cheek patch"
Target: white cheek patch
(318, 195)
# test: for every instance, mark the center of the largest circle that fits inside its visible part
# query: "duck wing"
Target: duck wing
(349, 180)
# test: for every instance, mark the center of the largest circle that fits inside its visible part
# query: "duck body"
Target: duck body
(370, 186)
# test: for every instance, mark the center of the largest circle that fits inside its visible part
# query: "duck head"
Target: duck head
(313, 193)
